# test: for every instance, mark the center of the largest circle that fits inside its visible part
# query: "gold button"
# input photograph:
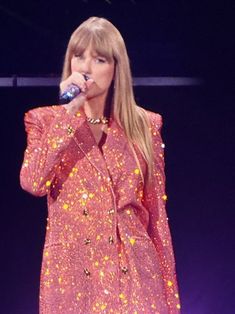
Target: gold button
(85, 212)
(86, 271)
(70, 130)
(111, 240)
(124, 269)
(87, 241)
(111, 211)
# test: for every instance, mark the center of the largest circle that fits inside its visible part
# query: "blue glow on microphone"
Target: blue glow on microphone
(71, 92)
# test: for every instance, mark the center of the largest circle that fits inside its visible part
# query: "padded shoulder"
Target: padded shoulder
(155, 120)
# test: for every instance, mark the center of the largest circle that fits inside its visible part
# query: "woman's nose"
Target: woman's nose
(86, 66)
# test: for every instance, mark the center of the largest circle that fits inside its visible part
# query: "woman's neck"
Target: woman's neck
(94, 110)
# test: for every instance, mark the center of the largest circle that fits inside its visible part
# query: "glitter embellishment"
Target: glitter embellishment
(65, 206)
(107, 227)
(132, 241)
(169, 283)
(48, 183)
(137, 171)
(121, 296)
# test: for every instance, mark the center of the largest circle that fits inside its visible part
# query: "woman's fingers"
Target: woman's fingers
(75, 104)
(84, 85)
(75, 78)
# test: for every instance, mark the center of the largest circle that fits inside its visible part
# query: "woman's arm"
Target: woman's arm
(49, 132)
(158, 228)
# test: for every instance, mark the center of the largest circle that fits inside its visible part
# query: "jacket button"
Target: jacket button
(111, 211)
(87, 241)
(86, 271)
(111, 240)
(85, 212)
(70, 130)
(124, 269)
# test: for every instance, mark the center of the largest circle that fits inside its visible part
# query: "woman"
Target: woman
(99, 160)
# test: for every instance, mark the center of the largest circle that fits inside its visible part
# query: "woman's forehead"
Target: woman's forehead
(94, 49)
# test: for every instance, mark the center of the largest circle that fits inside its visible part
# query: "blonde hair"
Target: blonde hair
(107, 41)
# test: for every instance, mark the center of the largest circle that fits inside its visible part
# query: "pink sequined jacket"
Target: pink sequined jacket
(108, 247)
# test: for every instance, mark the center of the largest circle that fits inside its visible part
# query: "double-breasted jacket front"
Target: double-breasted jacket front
(108, 247)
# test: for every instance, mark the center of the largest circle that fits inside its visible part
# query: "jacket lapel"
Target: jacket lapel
(88, 146)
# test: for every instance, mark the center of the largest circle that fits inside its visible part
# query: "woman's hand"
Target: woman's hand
(79, 80)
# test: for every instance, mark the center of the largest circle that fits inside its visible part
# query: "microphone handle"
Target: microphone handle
(71, 92)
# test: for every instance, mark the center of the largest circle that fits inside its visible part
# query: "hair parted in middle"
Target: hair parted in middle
(107, 41)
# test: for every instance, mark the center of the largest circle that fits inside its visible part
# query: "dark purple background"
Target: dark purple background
(163, 39)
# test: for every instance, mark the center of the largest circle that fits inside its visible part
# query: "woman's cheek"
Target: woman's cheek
(74, 66)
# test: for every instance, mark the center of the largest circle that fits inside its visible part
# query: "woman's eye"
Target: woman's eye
(100, 60)
(78, 56)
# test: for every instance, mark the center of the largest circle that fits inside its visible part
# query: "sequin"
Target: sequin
(48, 183)
(137, 171)
(121, 296)
(132, 241)
(169, 283)
(78, 296)
(101, 273)
(65, 206)
(103, 307)
(164, 197)
(108, 246)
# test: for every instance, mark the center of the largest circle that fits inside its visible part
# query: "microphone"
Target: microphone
(71, 92)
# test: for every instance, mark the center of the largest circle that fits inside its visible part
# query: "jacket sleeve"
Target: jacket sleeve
(49, 132)
(158, 228)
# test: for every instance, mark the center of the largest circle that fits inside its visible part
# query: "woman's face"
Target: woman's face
(96, 67)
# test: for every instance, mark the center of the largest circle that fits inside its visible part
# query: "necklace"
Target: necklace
(100, 120)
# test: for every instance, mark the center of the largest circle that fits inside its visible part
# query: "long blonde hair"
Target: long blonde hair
(107, 41)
